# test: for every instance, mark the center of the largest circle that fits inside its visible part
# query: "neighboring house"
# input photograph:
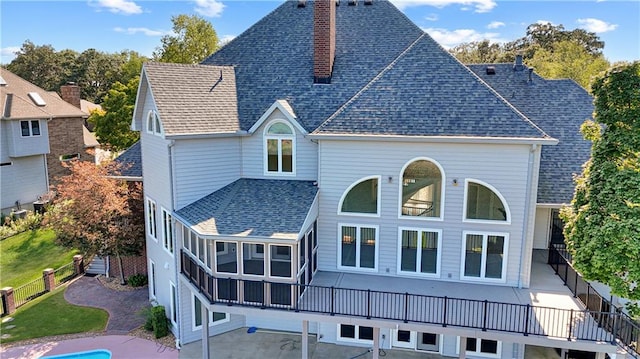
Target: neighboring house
(333, 170)
(39, 132)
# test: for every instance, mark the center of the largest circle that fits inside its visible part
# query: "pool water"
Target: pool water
(92, 354)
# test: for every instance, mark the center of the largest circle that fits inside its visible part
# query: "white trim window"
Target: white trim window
(173, 304)
(484, 203)
(419, 251)
(226, 257)
(481, 347)
(215, 318)
(422, 190)
(151, 218)
(153, 123)
(355, 333)
(253, 259)
(279, 148)
(167, 231)
(484, 256)
(280, 261)
(361, 198)
(358, 247)
(152, 279)
(30, 128)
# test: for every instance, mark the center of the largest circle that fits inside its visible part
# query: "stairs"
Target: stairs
(97, 266)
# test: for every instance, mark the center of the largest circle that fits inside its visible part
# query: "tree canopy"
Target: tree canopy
(602, 224)
(97, 213)
(113, 125)
(194, 39)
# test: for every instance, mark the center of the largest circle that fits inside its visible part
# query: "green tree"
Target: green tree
(602, 229)
(112, 126)
(42, 65)
(478, 52)
(568, 59)
(193, 40)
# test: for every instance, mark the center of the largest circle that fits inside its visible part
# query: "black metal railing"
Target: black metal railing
(406, 307)
(622, 327)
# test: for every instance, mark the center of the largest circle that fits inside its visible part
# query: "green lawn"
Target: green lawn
(24, 256)
(51, 315)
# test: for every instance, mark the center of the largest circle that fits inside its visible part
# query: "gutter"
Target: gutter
(434, 139)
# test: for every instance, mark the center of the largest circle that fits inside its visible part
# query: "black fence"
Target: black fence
(406, 307)
(622, 327)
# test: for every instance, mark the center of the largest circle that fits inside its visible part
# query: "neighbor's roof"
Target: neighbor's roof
(130, 161)
(559, 107)
(89, 138)
(193, 99)
(273, 59)
(427, 92)
(15, 102)
(253, 207)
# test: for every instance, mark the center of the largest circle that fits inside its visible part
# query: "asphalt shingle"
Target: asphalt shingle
(130, 161)
(253, 207)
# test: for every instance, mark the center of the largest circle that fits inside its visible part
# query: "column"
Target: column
(204, 313)
(49, 279)
(78, 264)
(462, 348)
(376, 343)
(305, 339)
(9, 301)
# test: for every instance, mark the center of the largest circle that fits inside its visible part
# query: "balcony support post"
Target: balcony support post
(376, 343)
(462, 348)
(305, 339)
(204, 314)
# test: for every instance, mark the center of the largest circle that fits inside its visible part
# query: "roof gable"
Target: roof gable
(285, 109)
(191, 99)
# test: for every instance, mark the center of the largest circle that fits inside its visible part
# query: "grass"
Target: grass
(51, 315)
(24, 256)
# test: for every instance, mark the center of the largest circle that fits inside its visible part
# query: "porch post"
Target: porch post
(305, 339)
(462, 348)
(204, 313)
(376, 343)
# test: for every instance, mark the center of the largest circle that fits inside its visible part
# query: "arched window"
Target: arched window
(485, 203)
(153, 123)
(361, 197)
(422, 190)
(279, 148)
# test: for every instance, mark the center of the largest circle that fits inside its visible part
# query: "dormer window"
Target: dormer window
(153, 123)
(279, 148)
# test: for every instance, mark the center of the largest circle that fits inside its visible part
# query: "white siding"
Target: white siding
(186, 319)
(253, 154)
(204, 166)
(502, 166)
(24, 180)
(541, 232)
(20, 146)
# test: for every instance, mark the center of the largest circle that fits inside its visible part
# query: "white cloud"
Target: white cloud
(543, 22)
(143, 30)
(432, 17)
(118, 6)
(209, 8)
(595, 25)
(8, 54)
(495, 24)
(451, 38)
(479, 5)
(225, 39)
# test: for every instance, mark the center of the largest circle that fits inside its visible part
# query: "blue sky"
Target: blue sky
(115, 25)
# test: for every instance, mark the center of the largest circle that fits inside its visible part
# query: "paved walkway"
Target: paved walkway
(123, 307)
(120, 346)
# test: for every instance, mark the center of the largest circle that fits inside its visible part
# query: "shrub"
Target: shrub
(148, 318)
(137, 280)
(160, 321)
(31, 221)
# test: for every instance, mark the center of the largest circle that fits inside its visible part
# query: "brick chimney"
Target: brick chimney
(71, 93)
(324, 40)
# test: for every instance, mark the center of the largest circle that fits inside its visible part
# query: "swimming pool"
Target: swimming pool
(91, 354)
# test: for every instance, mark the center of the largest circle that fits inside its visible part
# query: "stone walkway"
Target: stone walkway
(123, 307)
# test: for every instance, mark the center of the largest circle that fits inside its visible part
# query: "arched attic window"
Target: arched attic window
(361, 197)
(153, 123)
(279, 148)
(421, 187)
(485, 203)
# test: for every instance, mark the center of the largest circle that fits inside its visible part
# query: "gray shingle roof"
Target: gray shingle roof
(131, 161)
(194, 99)
(559, 107)
(427, 92)
(253, 207)
(274, 58)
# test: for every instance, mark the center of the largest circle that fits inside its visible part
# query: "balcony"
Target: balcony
(546, 310)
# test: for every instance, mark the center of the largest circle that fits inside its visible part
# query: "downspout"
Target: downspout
(175, 252)
(527, 214)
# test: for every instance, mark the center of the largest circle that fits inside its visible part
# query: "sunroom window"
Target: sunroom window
(279, 148)
(361, 197)
(421, 189)
(483, 203)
